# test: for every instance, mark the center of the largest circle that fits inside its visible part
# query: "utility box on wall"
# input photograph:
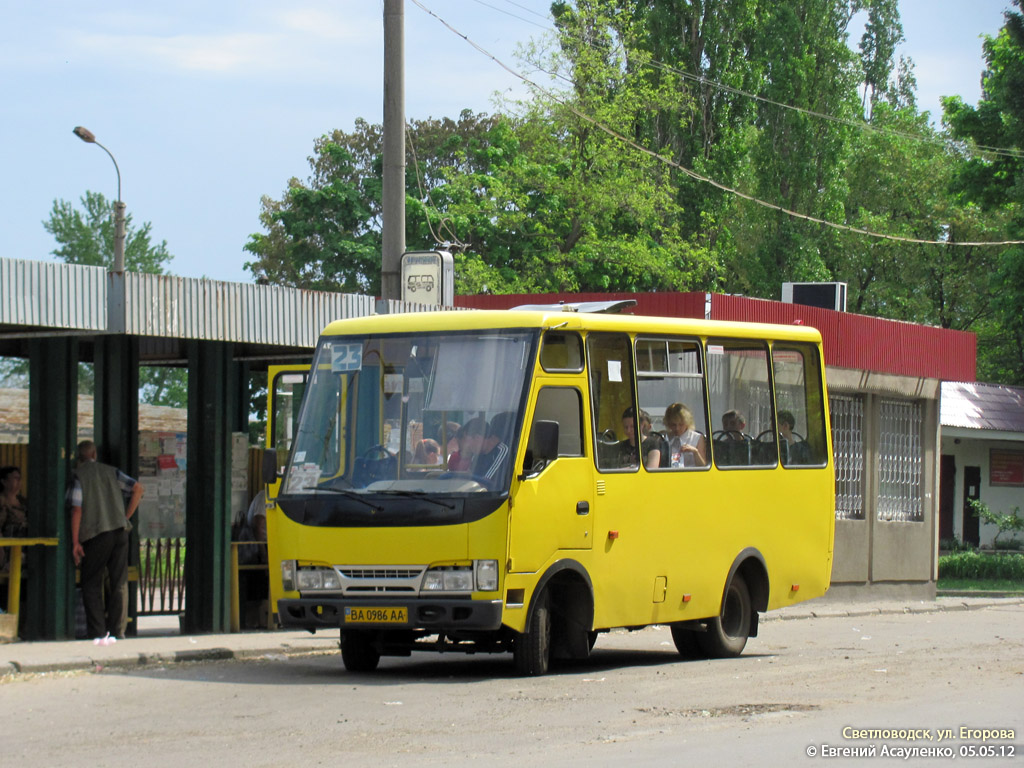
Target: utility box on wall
(824, 295)
(428, 277)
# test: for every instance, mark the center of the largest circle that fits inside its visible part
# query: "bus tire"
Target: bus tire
(687, 644)
(532, 649)
(727, 633)
(358, 652)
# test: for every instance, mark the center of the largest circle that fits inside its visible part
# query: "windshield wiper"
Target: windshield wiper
(347, 494)
(418, 495)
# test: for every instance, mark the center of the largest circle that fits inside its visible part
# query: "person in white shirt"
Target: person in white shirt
(687, 447)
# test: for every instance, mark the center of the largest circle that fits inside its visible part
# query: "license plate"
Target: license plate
(376, 615)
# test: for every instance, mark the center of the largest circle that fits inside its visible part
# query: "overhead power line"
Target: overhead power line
(693, 174)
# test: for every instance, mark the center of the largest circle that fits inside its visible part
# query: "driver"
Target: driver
(495, 455)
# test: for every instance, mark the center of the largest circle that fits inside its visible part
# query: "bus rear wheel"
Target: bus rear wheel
(532, 649)
(727, 634)
(358, 652)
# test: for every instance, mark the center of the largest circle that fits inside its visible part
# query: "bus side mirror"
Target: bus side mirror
(543, 446)
(545, 441)
(269, 466)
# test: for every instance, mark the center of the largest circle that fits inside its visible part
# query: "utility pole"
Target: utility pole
(393, 193)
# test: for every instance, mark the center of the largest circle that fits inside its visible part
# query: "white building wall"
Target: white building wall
(970, 451)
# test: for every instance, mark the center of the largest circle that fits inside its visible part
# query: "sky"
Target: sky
(209, 106)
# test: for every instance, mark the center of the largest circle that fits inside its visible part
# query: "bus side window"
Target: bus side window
(561, 352)
(741, 398)
(670, 382)
(610, 361)
(801, 411)
(564, 407)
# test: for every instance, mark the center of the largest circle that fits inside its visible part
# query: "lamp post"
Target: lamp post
(87, 136)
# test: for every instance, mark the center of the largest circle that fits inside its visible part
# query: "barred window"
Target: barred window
(900, 462)
(848, 449)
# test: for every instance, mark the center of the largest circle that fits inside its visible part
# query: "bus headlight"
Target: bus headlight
(307, 579)
(487, 575)
(288, 575)
(454, 578)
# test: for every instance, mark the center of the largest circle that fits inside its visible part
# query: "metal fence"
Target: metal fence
(161, 576)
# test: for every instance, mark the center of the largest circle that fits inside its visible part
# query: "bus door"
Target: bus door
(552, 510)
(626, 574)
(285, 387)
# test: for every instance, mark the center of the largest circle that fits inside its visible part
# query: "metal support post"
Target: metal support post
(208, 492)
(53, 416)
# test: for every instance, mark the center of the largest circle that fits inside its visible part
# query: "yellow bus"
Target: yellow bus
(521, 481)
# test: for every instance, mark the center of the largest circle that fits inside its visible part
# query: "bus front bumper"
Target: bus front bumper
(420, 613)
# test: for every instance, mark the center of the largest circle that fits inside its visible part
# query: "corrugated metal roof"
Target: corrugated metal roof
(194, 308)
(41, 295)
(982, 406)
(66, 296)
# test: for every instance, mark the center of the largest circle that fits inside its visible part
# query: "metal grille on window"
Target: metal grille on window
(900, 462)
(848, 449)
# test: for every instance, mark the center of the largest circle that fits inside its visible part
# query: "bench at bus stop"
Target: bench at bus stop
(9, 620)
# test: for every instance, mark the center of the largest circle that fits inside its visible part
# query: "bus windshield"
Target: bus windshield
(410, 414)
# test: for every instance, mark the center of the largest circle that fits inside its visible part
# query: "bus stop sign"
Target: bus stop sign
(428, 277)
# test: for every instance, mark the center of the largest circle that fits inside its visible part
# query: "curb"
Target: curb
(990, 601)
(147, 659)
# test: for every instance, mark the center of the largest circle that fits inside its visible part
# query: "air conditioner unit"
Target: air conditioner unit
(824, 295)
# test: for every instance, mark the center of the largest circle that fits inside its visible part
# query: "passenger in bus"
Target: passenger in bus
(626, 453)
(651, 447)
(794, 448)
(495, 456)
(733, 424)
(687, 446)
(732, 445)
(470, 439)
(452, 431)
(427, 452)
(654, 445)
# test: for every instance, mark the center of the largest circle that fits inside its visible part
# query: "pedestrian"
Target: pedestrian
(13, 509)
(99, 538)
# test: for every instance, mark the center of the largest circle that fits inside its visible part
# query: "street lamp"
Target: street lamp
(87, 136)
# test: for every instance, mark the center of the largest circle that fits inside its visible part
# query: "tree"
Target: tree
(994, 179)
(87, 236)
(320, 236)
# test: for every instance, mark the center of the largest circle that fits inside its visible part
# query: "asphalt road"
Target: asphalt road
(816, 685)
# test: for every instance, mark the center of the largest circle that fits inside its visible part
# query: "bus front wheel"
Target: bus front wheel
(532, 649)
(358, 651)
(726, 635)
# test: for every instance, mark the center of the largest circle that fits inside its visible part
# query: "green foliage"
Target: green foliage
(975, 565)
(1011, 523)
(163, 386)
(981, 585)
(87, 236)
(955, 544)
(995, 181)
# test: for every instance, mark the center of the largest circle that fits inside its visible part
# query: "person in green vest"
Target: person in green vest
(99, 537)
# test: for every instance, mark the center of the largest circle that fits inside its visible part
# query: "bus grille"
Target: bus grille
(380, 580)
